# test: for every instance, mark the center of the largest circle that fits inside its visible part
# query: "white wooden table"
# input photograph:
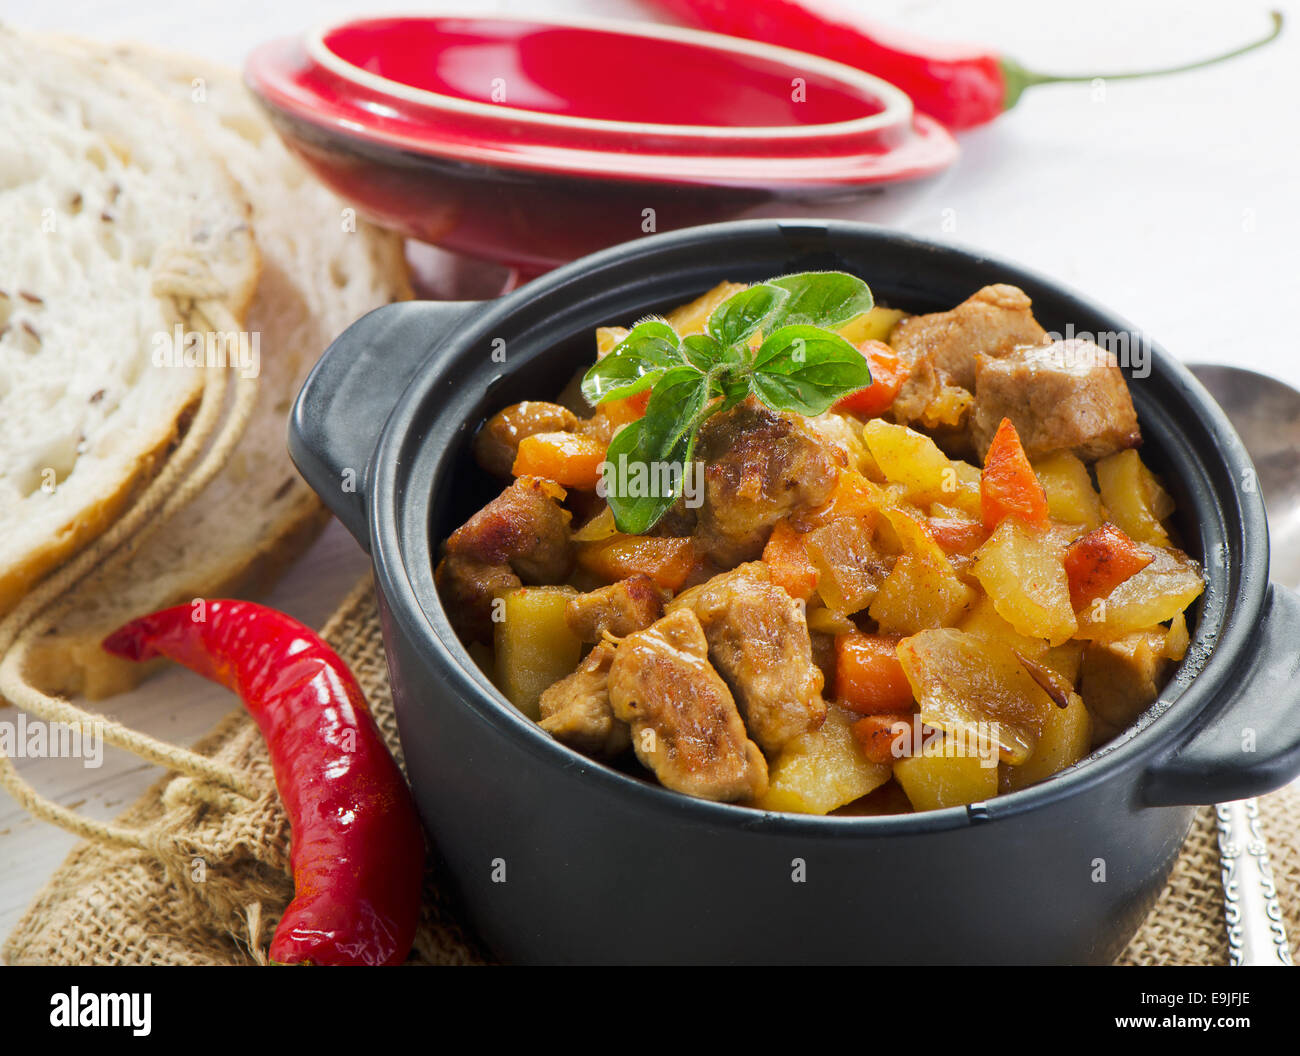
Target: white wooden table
(1172, 201)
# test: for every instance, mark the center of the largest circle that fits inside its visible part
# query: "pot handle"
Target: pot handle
(1251, 743)
(341, 409)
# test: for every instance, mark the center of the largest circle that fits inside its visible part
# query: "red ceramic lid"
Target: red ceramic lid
(603, 99)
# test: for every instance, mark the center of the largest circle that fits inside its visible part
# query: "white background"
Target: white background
(1175, 202)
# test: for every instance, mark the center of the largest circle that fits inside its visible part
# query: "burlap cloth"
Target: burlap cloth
(217, 886)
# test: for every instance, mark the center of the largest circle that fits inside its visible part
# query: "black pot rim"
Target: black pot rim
(1228, 616)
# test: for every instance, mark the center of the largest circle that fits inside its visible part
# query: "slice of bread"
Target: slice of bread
(106, 198)
(321, 271)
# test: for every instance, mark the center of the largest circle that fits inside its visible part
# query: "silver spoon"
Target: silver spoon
(1266, 414)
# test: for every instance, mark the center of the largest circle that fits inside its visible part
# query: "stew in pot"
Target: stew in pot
(812, 554)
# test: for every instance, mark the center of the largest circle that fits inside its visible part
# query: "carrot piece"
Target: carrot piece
(1008, 486)
(877, 735)
(955, 535)
(1099, 562)
(668, 560)
(888, 372)
(869, 677)
(566, 458)
(628, 409)
(787, 561)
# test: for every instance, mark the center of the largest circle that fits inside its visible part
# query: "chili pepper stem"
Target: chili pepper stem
(1018, 78)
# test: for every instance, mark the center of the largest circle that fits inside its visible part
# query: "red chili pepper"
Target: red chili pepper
(358, 849)
(959, 85)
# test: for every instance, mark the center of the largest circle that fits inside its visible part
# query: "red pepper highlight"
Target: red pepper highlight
(959, 85)
(358, 848)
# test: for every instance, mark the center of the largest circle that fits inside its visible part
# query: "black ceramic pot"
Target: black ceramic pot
(561, 859)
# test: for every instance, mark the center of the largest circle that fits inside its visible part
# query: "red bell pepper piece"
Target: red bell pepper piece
(959, 85)
(358, 848)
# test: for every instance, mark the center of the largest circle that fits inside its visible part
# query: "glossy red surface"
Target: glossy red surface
(533, 143)
(358, 849)
(592, 73)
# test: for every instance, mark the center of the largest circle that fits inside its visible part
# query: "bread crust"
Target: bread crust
(298, 308)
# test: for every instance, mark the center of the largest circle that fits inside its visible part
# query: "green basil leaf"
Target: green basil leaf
(805, 369)
(701, 351)
(674, 405)
(648, 458)
(733, 390)
(738, 317)
(634, 364)
(820, 298)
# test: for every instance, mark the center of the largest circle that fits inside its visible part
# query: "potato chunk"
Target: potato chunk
(690, 318)
(913, 460)
(1066, 738)
(1071, 498)
(1158, 593)
(983, 621)
(917, 594)
(849, 568)
(1022, 572)
(821, 770)
(874, 325)
(923, 589)
(933, 782)
(1178, 639)
(534, 645)
(1065, 660)
(1134, 498)
(975, 689)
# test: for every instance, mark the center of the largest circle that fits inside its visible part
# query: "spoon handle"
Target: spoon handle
(1256, 933)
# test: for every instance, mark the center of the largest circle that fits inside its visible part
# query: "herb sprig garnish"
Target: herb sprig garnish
(801, 365)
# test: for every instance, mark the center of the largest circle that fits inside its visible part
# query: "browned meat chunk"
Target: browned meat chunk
(524, 527)
(1069, 395)
(629, 605)
(467, 588)
(941, 348)
(576, 709)
(759, 466)
(992, 321)
(758, 641)
(685, 726)
(497, 442)
(678, 522)
(1119, 680)
(927, 399)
